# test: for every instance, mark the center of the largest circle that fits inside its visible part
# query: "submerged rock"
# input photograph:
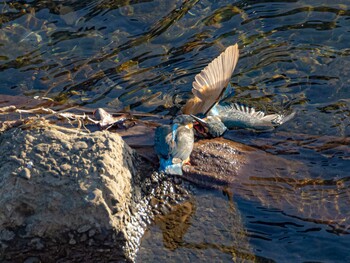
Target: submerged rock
(220, 162)
(275, 182)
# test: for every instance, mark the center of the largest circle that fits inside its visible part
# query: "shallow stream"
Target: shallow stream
(142, 56)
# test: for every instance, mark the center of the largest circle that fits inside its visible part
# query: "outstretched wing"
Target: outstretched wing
(211, 82)
(240, 116)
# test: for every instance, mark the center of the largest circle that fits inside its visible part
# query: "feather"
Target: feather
(235, 116)
(210, 83)
(163, 141)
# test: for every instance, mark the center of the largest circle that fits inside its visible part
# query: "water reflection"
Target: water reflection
(290, 50)
(179, 232)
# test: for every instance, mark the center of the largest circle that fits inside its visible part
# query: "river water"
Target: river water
(143, 55)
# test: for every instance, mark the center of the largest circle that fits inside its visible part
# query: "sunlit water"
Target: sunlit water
(143, 56)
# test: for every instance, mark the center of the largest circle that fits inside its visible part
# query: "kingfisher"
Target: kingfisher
(211, 85)
(174, 144)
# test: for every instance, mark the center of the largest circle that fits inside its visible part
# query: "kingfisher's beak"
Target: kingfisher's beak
(199, 120)
(201, 126)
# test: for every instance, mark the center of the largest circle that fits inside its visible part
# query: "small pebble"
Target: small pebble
(30, 165)
(54, 173)
(7, 235)
(92, 232)
(83, 238)
(32, 260)
(83, 228)
(80, 146)
(36, 242)
(66, 167)
(25, 173)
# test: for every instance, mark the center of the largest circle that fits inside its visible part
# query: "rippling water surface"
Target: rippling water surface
(143, 55)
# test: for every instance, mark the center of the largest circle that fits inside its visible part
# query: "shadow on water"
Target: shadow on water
(143, 56)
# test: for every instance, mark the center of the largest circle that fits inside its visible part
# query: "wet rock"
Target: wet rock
(90, 197)
(219, 163)
(32, 260)
(273, 181)
(6, 235)
(36, 243)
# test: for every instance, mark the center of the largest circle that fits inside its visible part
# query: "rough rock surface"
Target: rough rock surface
(88, 197)
(222, 162)
(66, 197)
(77, 197)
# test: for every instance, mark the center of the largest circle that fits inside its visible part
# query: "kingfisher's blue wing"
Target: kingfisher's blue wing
(170, 141)
(161, 141)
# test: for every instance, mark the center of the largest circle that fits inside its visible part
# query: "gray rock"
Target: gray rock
(83, 228)
(36, 243)
(32, 260)
(60, 208)
(6, 235)
(90, 197)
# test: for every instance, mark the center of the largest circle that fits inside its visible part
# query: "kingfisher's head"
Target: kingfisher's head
(184, 120)
(209, 127)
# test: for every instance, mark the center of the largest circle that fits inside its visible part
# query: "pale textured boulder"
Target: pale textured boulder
(68, 196)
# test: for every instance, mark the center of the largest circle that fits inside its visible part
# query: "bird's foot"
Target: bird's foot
(186, 162)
